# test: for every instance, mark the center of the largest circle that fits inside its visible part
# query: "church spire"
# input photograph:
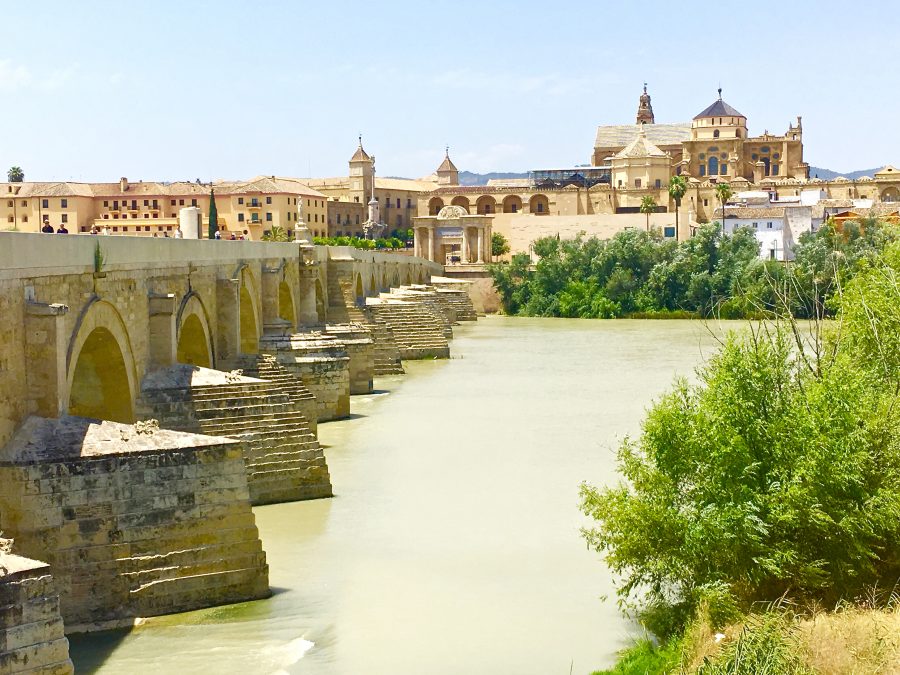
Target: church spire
(645, 109)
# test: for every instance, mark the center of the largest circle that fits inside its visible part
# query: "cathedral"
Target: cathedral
(715, 144)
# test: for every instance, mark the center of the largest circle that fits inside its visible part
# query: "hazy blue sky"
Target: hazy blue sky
(181, 90)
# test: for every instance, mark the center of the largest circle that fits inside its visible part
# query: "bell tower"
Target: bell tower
(362, 175)
(645, 110)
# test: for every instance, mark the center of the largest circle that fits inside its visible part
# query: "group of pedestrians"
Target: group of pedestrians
(48, 229)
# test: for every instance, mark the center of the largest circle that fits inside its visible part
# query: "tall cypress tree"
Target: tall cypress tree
(213, 215)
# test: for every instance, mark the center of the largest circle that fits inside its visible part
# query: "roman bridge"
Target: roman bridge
(85, 319)
(152, 390)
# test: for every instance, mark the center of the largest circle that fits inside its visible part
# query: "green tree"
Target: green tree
(677, 190)
(775, 475)
(213, 215)
(723, 194)
(15, 175)
(499, 245)
(648, 206)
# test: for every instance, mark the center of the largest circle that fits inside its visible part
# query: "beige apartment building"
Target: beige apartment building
(151, 208)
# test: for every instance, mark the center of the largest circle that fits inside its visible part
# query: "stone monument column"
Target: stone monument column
(430, 255)
(481, 244)
(465, 245)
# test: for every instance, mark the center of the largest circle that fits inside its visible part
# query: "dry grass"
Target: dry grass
(853, 641)
(847, 641)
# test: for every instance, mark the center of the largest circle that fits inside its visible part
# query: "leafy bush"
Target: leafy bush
(778, 474)
(709, 274)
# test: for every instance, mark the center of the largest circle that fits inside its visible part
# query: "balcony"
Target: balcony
(254, 204)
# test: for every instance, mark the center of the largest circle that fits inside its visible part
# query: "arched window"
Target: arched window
(713, 166)
(716, 133)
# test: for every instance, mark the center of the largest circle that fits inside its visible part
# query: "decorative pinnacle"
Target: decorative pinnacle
(645, 87)
(447, 151)
(720, 92)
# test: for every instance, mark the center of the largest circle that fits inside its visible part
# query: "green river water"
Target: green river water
(452, 545)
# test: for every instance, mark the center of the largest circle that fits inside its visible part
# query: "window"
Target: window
(637, 184)
(307, 203)
(705, 202)
(268, 201)
(409, 203)
(146, 228)
(193, 202)
(540, 205)
(124, 216)
(357, 220)
(716, 133)
(669, 231)
(124, 229)
(774, 169)
(64, 203)
(155, 204)
(9, 219)
(45, 203)
(156, 215)
(24, 219)
(146, 202)
(146, 215)
(254, 218)
(240, 217)
(658, 183)
(180, 202)
(173, 203)
(9, 203)
(24, 203)
(398, 202)
(713, 166)
(755, 226)
(769, 225)
(240, 200)
(702, 170)
(134, 204)
(268, 216)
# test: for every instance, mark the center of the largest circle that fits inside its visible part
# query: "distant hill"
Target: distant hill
(469, 178)
(828, 174)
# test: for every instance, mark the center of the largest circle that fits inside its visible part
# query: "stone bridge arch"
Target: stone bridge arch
(101, 379)
(192, 333)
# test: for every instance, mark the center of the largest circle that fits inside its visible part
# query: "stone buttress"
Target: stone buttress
(133, 520)
(32, 639)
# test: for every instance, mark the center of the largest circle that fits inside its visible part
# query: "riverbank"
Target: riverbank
(849, 640)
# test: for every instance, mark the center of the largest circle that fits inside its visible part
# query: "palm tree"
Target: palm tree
(723, 192)
(648, 206)
(15, 174)
(677, 190)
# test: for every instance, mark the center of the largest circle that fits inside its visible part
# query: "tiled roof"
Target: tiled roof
(404, 184)
(360, 155)
(620, 135)
(447, 165)
(640, 147)
(749, 212)
(719, 109)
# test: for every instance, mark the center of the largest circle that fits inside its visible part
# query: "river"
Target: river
(452, 544)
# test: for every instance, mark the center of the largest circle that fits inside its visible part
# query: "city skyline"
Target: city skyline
(217, 91)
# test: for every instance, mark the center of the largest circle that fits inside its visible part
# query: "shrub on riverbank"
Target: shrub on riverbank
(777, 476)
(636, 273)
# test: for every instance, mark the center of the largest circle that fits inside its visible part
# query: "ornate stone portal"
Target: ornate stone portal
(453, 237)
